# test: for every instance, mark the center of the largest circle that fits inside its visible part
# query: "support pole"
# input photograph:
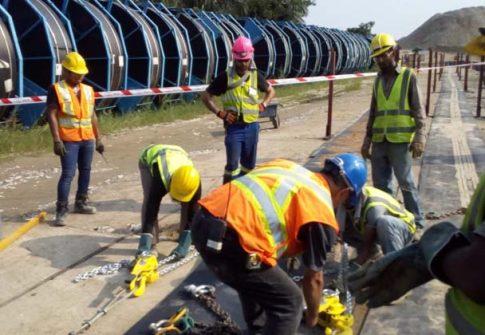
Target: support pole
(328, 132)
(435, 70)
(480, 86)
(428, 88)
(467, 60)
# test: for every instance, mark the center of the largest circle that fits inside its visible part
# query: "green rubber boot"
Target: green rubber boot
(145, 243)
(182, 249)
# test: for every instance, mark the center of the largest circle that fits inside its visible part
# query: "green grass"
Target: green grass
(38, 139)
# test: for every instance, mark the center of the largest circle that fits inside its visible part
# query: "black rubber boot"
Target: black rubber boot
(81, 205)
(61, 213)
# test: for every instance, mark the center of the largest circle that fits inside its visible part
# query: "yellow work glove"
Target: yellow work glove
(417, 148)
(365, 149)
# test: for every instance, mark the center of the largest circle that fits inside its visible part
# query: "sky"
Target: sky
(396, 17)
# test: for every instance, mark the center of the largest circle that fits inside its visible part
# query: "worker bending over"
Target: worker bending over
(379, 219)
(278, 209)
(166, 169)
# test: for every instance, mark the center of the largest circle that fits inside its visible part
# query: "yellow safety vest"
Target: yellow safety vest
(169, 159)
(463, 315)
(393, 121)
(242, 95)
(374, 197)
(75, 114)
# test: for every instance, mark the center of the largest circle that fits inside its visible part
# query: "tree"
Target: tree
(363, 28)
(288, 10)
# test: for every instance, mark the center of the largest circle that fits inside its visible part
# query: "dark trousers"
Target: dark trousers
(272, 303)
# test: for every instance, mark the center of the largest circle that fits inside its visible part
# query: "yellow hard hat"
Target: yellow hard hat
(74, 62)
(477, 45)
(381, 43)
(185, 182)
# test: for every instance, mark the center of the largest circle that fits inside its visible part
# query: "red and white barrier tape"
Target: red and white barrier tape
(201, 88)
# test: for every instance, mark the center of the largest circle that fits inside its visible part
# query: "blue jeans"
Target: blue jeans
(241, 146)
(387, 158)
(78, 154)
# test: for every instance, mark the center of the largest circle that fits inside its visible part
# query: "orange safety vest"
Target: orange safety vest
(268, 206)
(74, 116)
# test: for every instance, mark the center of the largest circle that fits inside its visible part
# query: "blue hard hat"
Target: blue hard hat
(353, 170)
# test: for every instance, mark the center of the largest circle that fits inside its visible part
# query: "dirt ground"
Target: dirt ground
(55, 255)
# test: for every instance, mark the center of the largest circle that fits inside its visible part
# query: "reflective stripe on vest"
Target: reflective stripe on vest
(465, 316)
(158, 154)
(243, 98)
(393, 120)
(376, 197)
(272, 203)
(75, 114)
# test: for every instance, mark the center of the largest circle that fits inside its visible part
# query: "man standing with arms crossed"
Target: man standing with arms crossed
(396, 126)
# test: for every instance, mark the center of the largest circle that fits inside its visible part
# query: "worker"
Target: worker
(452, 256)
(380, 220)
(278, 209)
(75, 131)
(168, 169)
(241, 105)
(396, 126)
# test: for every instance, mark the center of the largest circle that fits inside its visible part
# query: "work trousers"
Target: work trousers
(78, 154)
(271, 302)
(241, 143)
(392, 233)
(387, 158)
(148, 199)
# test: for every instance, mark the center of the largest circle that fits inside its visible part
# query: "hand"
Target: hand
(381, 282)
(365, 149)
(59, 148)
(417, 148)
(227, 116)
(99, 146)
(389, 278)
(262, 107)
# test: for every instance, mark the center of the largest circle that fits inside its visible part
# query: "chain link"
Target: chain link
(112, 268)
(434, 216)
(225, 326)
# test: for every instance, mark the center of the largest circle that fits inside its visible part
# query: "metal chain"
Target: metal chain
(434, 216)
(226, 326)
(171, 267)
(107, 269)
(112, 268)
(125, 293)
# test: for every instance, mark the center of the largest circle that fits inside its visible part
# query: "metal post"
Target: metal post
(328, 133)
(428, 89)
(442, 64)
(414, 60)
(435, 70)
(460, 58)
(480, 85)
(419, 61)
(467, 60)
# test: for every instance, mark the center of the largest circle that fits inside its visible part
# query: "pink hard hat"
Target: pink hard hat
(242, 49)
